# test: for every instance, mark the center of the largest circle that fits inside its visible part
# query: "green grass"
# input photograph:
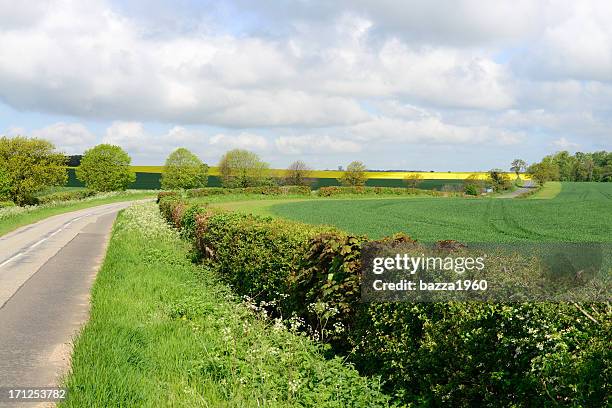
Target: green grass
(263, 204)
(548, 191)
(12, 218)
(164, 332)
(580, 212)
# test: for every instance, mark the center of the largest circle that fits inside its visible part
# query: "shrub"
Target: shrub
(452, 353)
(499, 180)
(471, 189)
(165, 194)
(5, 204)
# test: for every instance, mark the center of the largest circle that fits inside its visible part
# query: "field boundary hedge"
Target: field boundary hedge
(342, 190)
(273, 191)
(457, 354)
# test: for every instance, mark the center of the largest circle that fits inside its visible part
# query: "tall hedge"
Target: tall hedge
(428, 354)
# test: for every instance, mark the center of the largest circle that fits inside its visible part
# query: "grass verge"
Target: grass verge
(12, 218)
(165, 332)
(550, 190)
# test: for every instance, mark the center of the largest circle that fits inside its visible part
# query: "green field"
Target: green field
(581, 212)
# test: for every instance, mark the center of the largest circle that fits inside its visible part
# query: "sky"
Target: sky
(462, 85)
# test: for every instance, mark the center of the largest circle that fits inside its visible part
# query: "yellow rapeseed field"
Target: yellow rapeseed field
(439, 175)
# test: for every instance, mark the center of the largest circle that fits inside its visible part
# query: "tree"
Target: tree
(499, 180)
(184, 170)
(297, 174)
(28, 166)
(517, 166)
(565, 163)
(544, 171)
(354, 175)
(5, 183)
(413, 180)
(106, 168)
(241, 168)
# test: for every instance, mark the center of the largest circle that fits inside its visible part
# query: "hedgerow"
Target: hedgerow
(265, 190)
(361, 190)
(65, 196)
(166, 194)
(451, 353)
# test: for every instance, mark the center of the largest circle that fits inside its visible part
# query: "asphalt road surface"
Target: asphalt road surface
(46, 273)
(528, 185)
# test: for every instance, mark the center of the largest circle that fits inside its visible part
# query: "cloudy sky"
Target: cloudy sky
(431, 85)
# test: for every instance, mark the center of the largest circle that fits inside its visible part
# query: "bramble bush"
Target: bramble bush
(428, 354)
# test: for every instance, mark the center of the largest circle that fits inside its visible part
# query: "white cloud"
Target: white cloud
(240, 141)
(576, 43)
(87, 60)
(15, 131)
(317, 77)
(565, 144)
(73, 138)
(320, 144)
(432, 130)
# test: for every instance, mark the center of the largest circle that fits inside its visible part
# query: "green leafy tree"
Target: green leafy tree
(27, 166)
(241, 168)
(5, 183)
(106, 168)
(297, 174)
(517, 166)
(184, 170)
(413, 180)
(562, 166)
(544, 171)
(566, 163)
(354, 175)
(499, 180)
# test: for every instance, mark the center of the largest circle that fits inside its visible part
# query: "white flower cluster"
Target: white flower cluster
(145, 218)
(9, 212)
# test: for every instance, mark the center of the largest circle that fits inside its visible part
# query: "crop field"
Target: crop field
(580, 212)
(149, 177)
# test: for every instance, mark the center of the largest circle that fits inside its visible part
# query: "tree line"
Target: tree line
(29, 165)
(563, 166)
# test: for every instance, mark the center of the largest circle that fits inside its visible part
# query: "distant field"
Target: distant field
(580, 212)
(148, 177)
(427, 175)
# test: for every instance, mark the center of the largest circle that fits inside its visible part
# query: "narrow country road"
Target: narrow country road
(528, 185)
(46, 272)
